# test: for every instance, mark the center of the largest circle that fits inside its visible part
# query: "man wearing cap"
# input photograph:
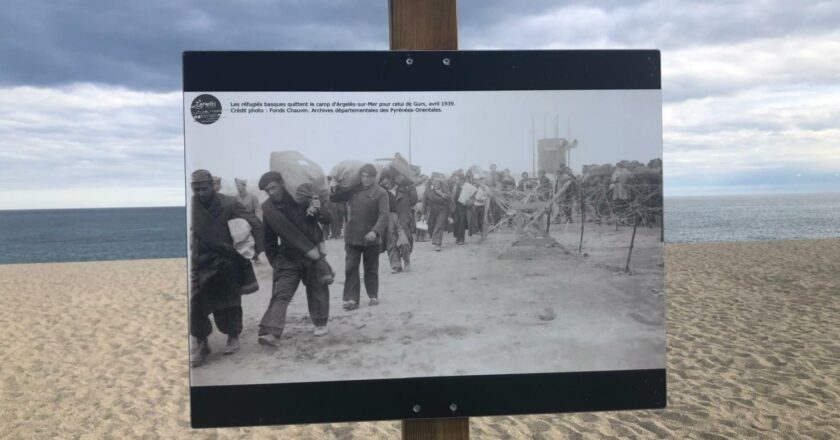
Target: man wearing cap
(298, 229)
(438, 199)
(219, 275)
(248, 200)
(367, 219)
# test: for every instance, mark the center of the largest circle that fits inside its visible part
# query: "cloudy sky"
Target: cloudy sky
(90, 101)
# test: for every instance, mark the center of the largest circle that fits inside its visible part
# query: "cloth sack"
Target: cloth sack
(302, 177)
(243, 239)
(346, 175)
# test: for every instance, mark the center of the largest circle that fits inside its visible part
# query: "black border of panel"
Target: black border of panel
(394, 399)
(389, 71)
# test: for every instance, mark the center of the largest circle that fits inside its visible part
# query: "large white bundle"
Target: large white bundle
(243, 239)
(302, 177)
(467, 191)
(346, 174)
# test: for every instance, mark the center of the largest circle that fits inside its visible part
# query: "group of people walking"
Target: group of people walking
(379, 216)
(292, 237)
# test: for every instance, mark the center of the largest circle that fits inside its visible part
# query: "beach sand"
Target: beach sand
(98, 350)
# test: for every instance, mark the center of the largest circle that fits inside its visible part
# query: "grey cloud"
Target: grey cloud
(88, 137)
(647, 24)
(138, 44)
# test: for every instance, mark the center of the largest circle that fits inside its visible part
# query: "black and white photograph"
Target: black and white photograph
(339, 236)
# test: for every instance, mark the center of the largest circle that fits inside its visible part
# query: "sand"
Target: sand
(98, 350)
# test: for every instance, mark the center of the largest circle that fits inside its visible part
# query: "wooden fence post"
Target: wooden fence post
(427, 25)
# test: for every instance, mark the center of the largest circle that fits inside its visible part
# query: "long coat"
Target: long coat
(405, 200)
(367, 211)
(218, 274)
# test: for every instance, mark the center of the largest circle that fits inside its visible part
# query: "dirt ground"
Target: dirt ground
(503, 306)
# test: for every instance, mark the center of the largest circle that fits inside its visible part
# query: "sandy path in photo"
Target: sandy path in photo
(467, 310)
(98, 350)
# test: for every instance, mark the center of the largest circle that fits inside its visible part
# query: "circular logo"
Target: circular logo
(206, 109)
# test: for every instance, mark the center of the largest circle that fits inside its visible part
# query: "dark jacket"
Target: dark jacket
(217, 272)
(367, 211)
(405, 200)
(297, 232)
(435, 201)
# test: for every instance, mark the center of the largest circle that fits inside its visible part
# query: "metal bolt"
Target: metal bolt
(409, 61)
(416, 408)
(446, 61)
(453, 407)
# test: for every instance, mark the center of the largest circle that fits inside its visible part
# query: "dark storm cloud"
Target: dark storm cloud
(139, 44)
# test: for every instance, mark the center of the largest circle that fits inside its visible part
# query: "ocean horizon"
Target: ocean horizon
(101, 234)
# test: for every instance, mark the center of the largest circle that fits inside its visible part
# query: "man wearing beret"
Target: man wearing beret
(219, 275)
(367, 219)
(248, 200)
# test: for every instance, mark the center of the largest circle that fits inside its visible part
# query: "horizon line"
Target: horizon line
(666, 196)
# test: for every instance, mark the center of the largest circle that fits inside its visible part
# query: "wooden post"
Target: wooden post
(630, 252)
(487, 202)
(423, 24)
(436, 429)
(427, 25)
(582, 218)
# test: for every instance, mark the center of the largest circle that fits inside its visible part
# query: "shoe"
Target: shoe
(269, 341)
(459, 243)
(232, 345)
(407, 267)
(199, 356)
(437, 248)
(373, 301)
(320, 330)
(396, 270)
(350, 305)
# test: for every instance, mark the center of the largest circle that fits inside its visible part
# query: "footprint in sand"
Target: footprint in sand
(405, 317)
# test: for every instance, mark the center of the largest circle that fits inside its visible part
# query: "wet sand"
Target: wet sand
(98, 350)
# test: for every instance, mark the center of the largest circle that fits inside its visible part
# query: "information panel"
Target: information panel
(395, 235)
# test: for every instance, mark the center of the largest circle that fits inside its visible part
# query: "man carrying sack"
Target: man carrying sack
(297, 258)
(219, 275)
(368, 216)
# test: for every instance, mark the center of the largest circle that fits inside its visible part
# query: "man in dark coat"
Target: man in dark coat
(295, 259)
(339, 213)
(460, 213)
(367, 220)
(438, 198)
(402, 196)
(219, 275)
(566, 183)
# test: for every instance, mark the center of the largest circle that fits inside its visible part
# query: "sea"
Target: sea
(40, 236)
(60, 235)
